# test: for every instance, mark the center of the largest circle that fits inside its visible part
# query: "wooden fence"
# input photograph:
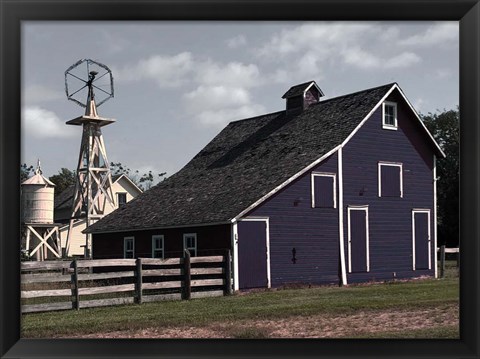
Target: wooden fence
(88, 283)
(442, 250)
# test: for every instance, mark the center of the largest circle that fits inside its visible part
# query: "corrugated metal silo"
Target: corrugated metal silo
(37, 199)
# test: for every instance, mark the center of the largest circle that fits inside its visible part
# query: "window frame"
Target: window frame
(324, 174)
(387, 126)
(118, 198)
(391, 164)
(185, 236)
(125, 251)
(154, 248)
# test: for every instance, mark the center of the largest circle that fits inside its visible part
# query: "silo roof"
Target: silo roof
(38, 179)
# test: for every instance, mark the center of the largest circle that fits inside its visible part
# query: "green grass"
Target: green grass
(269, 304)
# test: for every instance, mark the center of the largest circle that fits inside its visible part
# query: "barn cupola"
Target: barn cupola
(300, 97)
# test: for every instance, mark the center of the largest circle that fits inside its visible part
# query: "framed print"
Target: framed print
(201, 93)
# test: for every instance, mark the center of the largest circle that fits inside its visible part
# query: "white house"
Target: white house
(124, 190)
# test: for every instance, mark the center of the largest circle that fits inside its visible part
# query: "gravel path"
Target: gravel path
(316, 326)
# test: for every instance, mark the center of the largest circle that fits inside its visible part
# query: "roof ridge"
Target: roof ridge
(356, 92)
(257, 117)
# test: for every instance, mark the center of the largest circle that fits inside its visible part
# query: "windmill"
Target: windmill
(89, 80)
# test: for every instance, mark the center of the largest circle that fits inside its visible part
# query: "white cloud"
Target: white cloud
(358, 57)
(216, 97)
(323, 38)
(405, 59)
(237, 41)
(434, 35)
(311, 49)
(231, 74)
(167, 71)
(220, 118)
(40, 93)
(41, 123)
(419, 104)
(363, 59)
(218, 105)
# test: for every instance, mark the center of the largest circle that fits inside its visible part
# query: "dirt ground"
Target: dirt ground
(317, 326)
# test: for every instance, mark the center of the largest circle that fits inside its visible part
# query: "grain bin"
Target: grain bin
(37, 199)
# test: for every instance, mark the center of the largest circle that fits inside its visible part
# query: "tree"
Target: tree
(64, 179)
(444, 127)
(144, 182)
(25, 172)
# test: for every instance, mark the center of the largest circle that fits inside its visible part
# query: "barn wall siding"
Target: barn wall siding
(390, 219)
(313, 232)
(210, 240)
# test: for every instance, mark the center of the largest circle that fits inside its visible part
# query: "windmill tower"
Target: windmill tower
(88, 79)
(42, 236)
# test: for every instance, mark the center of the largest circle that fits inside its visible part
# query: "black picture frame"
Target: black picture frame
(14, 12)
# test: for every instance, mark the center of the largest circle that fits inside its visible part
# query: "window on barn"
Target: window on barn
(190, 243)
(121, 199)
(158, 246)
(390, 181)
(389, 121)
(323, 190)
(129, 247)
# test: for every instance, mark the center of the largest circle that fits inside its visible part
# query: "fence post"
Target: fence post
(187, 280)
(228, 273)
(138, 283)
(74, 286)
(442, 261)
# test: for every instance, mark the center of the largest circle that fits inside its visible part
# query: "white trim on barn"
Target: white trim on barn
(340, 217)
(435, 213)
(125, 239)
(379, 103)
(392, 164)
(235, 255)
(288, 181)
(367, 239)
(267, 240)
(422, 210)
(419, 120)
(189, 248)
(324, 174)
(154, 247)
(387, 126)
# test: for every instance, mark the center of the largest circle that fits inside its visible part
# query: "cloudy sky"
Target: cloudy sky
(177, 84)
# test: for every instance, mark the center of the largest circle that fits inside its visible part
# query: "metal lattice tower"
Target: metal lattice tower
(93, 185)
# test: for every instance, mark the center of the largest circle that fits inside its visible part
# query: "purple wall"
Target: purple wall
(390, 218)
(313, 232)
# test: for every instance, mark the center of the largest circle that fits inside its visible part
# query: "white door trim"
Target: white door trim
(367, 249)
(267, 229)
(419, 210)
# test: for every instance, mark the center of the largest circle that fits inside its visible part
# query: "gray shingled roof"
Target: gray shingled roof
(245, 161)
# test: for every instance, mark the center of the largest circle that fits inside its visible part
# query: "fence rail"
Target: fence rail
(443, 250)
(88, 283)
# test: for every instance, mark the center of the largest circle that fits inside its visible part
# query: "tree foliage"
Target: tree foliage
(444, 127)
(25, 172)
(64, 179)
(144, 181)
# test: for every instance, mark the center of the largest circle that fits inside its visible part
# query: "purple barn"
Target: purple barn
(327, 191)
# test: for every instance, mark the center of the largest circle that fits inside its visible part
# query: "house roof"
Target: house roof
(65, 198)
(300, 89)
(244, 163)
